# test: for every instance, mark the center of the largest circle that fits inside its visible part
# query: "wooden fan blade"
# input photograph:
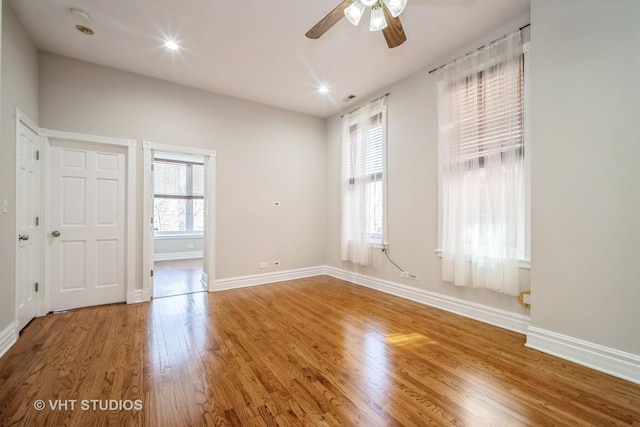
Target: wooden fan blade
(393, 33)
(328, 21)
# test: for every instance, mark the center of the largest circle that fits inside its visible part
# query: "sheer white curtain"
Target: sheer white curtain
(363, 170)
(481, 142)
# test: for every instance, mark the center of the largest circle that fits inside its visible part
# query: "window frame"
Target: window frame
(374, 239)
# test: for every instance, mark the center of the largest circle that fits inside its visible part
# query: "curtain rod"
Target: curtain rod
(437, 68)
(353, 111)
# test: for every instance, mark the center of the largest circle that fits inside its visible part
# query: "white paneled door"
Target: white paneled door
(27, 219)
(87, 206)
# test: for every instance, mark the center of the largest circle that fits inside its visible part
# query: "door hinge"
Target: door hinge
(37, 154)
(151, 220)
(151, 273)
(37, 221)
(37, 286)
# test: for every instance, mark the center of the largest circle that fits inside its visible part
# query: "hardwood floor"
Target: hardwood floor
(316, 351)
(177, 277)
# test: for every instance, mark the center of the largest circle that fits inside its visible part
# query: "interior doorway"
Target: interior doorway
(179, 194)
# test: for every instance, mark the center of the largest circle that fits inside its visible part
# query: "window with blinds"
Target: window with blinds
(491, 108)
(366, 166)
(178, 196)
(483, 158)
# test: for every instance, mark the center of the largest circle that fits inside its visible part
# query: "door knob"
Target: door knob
(55, 233)
(23, 237)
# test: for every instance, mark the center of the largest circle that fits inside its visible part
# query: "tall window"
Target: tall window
(482, 161)
(178, 196)
(363, 181)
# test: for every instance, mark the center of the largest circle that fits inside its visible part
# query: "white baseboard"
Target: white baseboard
(8, 337)
(493, 316)
(177, 255)
(608, 360)
(263, 279)
(136, 296)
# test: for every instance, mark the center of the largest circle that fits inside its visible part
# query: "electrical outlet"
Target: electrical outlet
(404, 275)
(264, 265)
(190, 246)
(276, 263)
(526, 298)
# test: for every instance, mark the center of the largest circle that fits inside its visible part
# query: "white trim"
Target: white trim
(136, 296)
(605, 359)
(264, 279)
(147, 218)
(524, 264)
(501, 318)
(177, 236)
(8, 337)
(84, 137)
(178, 149)
(177, 255)
(21, 117)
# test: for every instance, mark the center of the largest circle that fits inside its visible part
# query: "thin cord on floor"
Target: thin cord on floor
(385, 249)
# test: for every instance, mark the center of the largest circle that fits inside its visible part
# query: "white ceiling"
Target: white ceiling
(256, 49)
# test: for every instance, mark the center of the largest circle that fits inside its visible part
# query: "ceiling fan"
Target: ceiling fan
(384, 16)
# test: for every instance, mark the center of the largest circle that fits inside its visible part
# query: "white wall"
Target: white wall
(263, 154)
(585, 119)
(165, 247)
(412, 201)
(19, 71)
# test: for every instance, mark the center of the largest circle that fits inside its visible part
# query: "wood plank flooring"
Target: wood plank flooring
(317, 352)
(177, 277)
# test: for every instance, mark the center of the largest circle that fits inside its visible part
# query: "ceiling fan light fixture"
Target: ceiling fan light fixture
(354, 12)
(395, 6)
(378, 22)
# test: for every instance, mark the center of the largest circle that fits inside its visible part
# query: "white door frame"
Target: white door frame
(130, 183)
(208, 275)
(41, 310)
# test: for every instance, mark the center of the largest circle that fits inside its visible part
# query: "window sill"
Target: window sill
(524, 264)
(177, 236)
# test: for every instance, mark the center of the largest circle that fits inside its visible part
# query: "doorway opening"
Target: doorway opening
(178, 224)
(178, 251)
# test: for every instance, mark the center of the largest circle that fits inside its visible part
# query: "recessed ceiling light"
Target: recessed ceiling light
(323, 89)
(169, 44)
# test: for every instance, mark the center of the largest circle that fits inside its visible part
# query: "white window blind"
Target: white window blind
(178, 196)
(367, 161)
(492, 114)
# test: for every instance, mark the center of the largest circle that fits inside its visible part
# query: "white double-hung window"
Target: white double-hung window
(482, 167)
(178, 198)
(363, 181)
